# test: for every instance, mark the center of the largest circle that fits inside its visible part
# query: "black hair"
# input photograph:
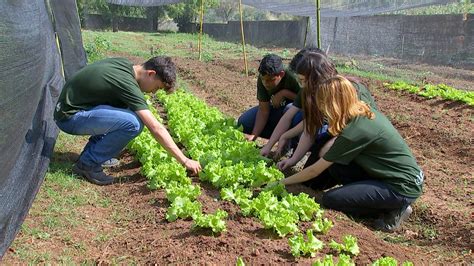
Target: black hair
(165, 70)
(297, 58)
(271, 64)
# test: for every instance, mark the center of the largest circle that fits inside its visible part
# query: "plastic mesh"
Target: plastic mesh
(31, 74)
(307, 8)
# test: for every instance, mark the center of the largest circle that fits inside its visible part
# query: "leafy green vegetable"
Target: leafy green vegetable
(214, 221)
(349, 245)
(300, 247)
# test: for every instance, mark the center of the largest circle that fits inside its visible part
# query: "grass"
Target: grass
(146, 45)
(57, 210)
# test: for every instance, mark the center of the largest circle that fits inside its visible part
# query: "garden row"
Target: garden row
(233, 165)
(431, 91)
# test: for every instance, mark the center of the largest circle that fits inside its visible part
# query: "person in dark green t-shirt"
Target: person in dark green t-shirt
(367, 156)
(106, 100)
(276, 90)
(311, 66)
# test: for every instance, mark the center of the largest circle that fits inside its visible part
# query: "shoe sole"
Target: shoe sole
(404, 217)
(380, 224)
(84, 174)
(108, 165)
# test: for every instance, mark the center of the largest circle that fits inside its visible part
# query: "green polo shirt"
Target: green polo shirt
(288, 82)
(377, 147)
(107, 82)
(362, 92)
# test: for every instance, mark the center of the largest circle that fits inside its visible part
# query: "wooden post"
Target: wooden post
(318, 21)
(306, 31)
(200, 31)
(243, 38)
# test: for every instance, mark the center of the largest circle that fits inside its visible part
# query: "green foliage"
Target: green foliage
(183, 208)
(321, 225)
(431, 91)
(214, 221)
(349, 246)
(389, 261)
(240, 262)
(189, 10)
(96, 49)
(301, 247)
(344, 260)
(461, 7)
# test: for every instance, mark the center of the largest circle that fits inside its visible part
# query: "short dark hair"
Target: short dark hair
(165, 70)
(297, 58)
(271, 64)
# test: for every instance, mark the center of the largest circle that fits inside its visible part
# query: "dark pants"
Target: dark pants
(359, 195)
(247, 120)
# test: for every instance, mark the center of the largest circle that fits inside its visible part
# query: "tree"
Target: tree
(188, 11)
(227, 9)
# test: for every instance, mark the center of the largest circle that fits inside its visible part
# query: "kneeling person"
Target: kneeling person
(276, 90)
(105, 100)
(367, 156)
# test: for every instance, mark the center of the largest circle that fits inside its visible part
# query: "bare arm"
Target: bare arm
(261, 120)
(281, 95)
(281, 127)
(307, 173)
(163, 137)
(295, 131)
(303, 146)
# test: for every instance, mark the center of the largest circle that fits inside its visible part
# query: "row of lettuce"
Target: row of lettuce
(233, 165)
(430, 91)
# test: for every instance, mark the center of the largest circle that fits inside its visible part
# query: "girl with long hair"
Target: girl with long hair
(366, 155)
(311, 70)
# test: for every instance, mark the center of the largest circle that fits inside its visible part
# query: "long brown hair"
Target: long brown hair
(337, 100)
(315, 67)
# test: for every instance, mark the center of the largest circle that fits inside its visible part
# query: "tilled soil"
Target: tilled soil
(440, 229)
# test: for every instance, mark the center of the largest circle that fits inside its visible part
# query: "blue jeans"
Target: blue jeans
(247, 120)
(110, 129)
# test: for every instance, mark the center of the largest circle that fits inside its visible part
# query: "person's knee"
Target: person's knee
(134, 125)
(246, 122)
(331, 200)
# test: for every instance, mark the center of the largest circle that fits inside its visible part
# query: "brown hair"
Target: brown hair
(337, 101)
(165, 70)
(315, 67)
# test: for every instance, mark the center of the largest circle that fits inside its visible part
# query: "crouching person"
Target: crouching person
(277, 88)
(105, 100)
(367, 156)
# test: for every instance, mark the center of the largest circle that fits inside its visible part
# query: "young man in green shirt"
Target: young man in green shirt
(276, 90)
(106, 100)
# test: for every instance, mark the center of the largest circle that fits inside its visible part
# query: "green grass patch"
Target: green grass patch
(57, 208)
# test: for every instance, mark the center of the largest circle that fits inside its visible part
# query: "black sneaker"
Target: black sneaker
(94, 175)
(111, 163)
(393, 220)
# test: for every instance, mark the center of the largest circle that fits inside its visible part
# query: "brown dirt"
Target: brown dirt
(440, 230)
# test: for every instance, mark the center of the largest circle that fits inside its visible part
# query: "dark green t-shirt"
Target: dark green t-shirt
(377, 147)
(288, 82)
(362, 92)
(106, 82)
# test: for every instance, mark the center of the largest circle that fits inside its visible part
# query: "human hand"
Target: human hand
(193, 166)
(265, 151)
(285, 164)
(282, 143)
(277, 99)
(250, 137)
